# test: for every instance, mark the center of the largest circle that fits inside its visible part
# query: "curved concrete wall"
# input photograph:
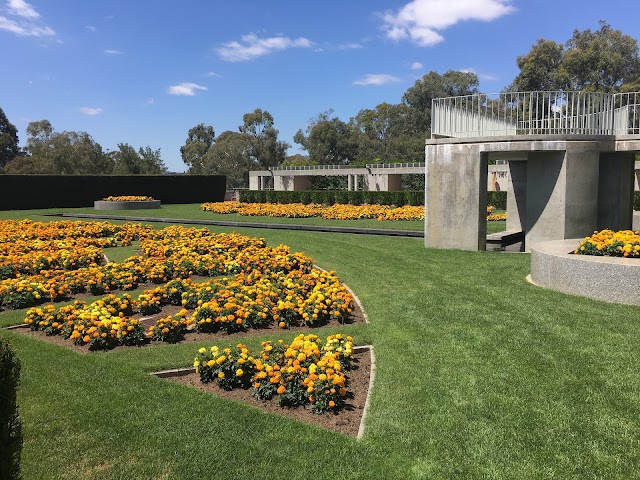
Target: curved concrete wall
(132, 205)
(612, 279)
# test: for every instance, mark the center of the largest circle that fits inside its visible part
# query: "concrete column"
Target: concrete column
(254, 183)
(517, 195)
(615, 190)
(355, 183)
(383, 182)
(562, 193)
(349, 182)
(291, 183)
(456, 197)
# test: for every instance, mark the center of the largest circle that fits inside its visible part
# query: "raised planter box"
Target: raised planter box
(612, 279)
(132, 205)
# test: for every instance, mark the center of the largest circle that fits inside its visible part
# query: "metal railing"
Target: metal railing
(395, 165)
(536, 113)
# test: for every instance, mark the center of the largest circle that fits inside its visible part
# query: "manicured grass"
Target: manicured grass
(193, 211)
(479, 375)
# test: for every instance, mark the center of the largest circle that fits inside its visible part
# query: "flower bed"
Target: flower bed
(128, 198)
(305, 372)
(555, 266)
(255, 286)
(331, 212)
(624, 243)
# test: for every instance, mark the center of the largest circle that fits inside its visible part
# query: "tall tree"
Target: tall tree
(433, 85)
(60, 153)
(605, 60)
(266, 149)
(200, 139)
(386, 134)
(541, 68)
(145, 161)
(8, 140)
(329, 141)
(230, 156)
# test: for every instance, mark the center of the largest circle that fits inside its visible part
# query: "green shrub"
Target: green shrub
(636, 201)
(356, 198)
(342, 196)
(413, 197)
(305, 197)
(10, 423)
(497, 199)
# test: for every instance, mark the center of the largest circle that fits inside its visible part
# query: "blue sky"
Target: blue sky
(144, 72)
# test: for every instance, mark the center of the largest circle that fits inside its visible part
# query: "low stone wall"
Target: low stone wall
(132, 205)
(612, 279)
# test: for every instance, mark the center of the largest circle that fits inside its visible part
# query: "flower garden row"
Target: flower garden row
(330, 212)
(624, 243)
(128, 198)
(305, 372)
(262, 285)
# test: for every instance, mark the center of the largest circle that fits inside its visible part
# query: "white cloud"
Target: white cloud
(113, 52)
(421, 21)
(92, 111)
(91, 28)
(25, 29)
(416, 66)
(213, 75)
(251, 46)
(185, 88)
(349, 46)
(481, 76)
(150, 101)
(22, 9)
(376, 79)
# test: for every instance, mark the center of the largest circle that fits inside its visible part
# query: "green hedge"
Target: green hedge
(10, 423)
(636, 201)
(497, 199)
(329, 197)
(23, 192)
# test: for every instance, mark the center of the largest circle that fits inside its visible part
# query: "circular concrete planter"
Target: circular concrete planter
(612, 279)
(133, 205)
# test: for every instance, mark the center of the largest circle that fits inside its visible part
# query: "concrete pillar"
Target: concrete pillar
(254, 183)
(349, 182)
(456, 196)
(383, 182)
(615, 190)
(517, 195)
(562, 193)
(355, 183)
(291, 183)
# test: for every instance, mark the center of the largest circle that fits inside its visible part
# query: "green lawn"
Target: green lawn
(193, 211)
(479, 375)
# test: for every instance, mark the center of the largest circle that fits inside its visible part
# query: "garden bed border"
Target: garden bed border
(612, 279)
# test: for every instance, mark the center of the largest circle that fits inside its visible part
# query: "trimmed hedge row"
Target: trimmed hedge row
(10, 423)
(407, 197)
(330, 197)
(636, 201)
(23, 192)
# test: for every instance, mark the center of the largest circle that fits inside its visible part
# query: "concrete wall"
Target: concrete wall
(559, 188)
(383, 183)
(291, 183)
(456, 195)
(615, 190)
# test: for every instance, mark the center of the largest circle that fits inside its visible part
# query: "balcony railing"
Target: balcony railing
(536, 113)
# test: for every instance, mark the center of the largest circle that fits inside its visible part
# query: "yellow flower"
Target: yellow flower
(239, 372)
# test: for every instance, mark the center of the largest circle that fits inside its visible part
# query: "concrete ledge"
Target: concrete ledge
(132, 205)
(611, 279)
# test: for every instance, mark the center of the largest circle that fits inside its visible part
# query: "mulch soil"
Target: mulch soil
(346, 420)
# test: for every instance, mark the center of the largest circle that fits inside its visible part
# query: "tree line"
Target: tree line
(604, 60)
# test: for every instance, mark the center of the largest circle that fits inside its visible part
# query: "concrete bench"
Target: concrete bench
(506, 238)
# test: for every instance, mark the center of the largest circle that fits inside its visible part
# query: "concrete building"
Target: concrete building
(570, 161)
